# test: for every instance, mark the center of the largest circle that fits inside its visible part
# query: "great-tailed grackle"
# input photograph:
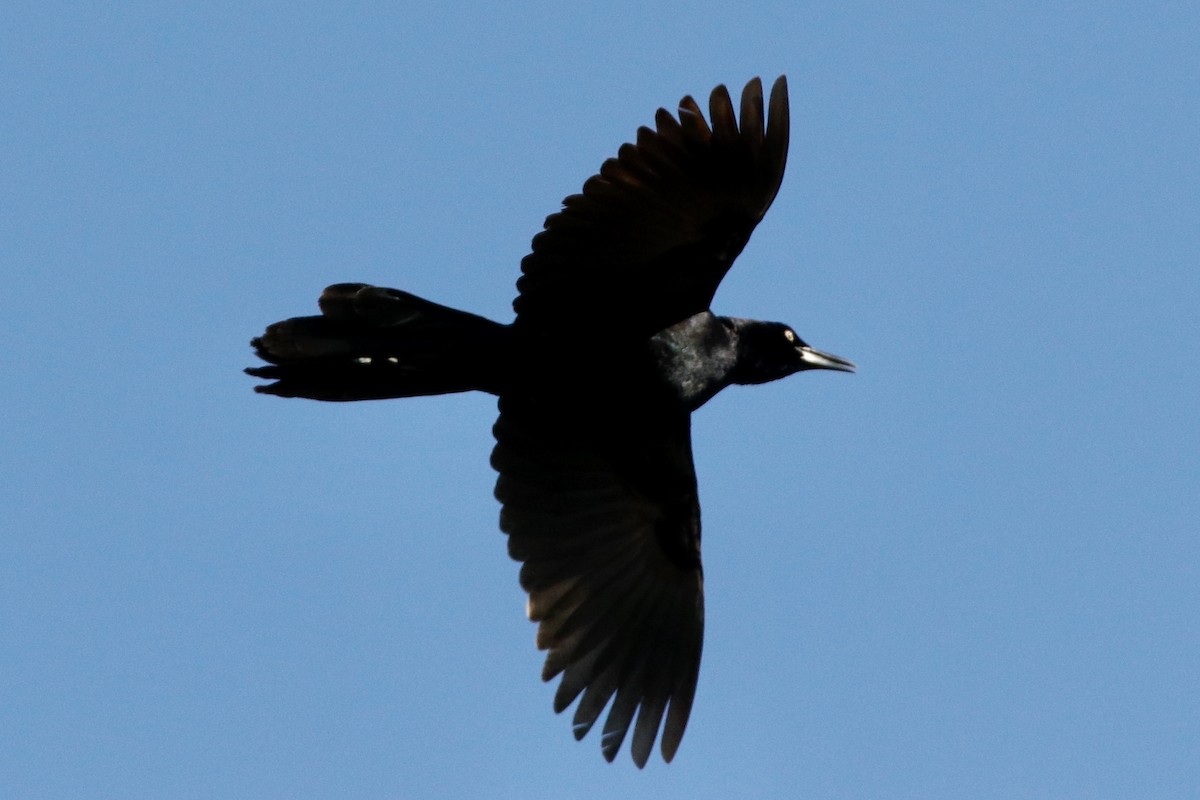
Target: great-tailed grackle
(612, 348)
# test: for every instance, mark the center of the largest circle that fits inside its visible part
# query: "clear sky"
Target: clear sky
(972, 570)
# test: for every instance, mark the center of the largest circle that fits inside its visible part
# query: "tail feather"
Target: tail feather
(371, 343)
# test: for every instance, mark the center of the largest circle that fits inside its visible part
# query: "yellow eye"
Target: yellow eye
(789, 335)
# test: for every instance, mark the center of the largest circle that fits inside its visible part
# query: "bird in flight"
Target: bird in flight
(612, 349)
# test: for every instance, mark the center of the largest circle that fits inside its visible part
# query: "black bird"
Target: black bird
(613, 347)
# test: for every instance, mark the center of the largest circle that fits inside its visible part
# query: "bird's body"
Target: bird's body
(612, 349)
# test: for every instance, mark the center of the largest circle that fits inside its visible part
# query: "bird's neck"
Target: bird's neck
(695, 358)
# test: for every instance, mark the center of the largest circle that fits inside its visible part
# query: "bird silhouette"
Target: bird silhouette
(612, 349)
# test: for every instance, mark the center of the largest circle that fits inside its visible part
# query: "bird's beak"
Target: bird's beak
(815, 359)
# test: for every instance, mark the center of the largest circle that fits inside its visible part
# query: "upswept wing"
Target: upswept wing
(651, 236)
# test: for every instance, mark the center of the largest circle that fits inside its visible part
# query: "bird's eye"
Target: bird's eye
(789, 334)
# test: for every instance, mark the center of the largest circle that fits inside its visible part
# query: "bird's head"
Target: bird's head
(768, 351)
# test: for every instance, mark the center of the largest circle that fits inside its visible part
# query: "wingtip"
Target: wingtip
(721, 115)
(669, 746)
(778, 115)
(580, 730)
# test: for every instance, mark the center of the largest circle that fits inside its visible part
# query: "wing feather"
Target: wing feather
(599, 515)
(649, 238)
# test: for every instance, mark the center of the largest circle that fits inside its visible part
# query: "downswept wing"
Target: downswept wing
(651, 236)
(606, 521)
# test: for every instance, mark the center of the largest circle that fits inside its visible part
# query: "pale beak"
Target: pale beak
(815, 359)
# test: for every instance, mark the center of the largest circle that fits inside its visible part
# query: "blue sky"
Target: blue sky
(970, 570)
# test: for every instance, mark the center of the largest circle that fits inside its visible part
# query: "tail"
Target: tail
(371, 343)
